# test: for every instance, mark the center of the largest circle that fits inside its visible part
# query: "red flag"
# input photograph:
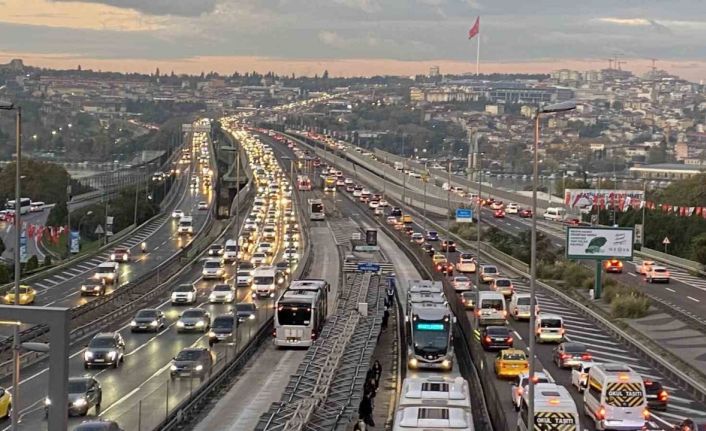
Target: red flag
(698, 211)
(475, 29)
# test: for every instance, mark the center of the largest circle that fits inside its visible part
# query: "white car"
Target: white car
(243, 278)
(461, 283)
(644, 267)
(259, 259)
(657, 273)
(108, 272)
(579, 375)
(291, 254)
(391, 220)
(378, 211)
(521, 383)
(265, 247)
(512, 208)
(384, 203)
(177, 214)
(497, 205)
(417, 237)
(250, 226)
(222, 293)
(212, 268)
(202, 205)
(373, 204)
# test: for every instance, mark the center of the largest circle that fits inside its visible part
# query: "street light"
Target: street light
(80, 222)
(9, 106)
(549, 109)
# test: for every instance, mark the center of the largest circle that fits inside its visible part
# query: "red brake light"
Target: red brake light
(487, 339)
(663, 395)
(565, 356)
(509, 340)
(646, 414)
(586, 357)
(600, 414)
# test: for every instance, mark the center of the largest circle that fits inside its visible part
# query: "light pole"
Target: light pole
(404, 172)
(479, 208)
(549, 109)
(80, 222)
(8, 106)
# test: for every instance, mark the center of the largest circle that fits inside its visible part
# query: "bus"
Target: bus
(301, 312)
(316, 209)
(434, 403)
(25, 205)
(303, 183)
(430, 337)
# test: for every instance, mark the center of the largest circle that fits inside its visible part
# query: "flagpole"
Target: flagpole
(477, 54)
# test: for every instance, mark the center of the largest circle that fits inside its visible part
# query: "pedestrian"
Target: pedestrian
(370, 388)
(359, 425)
(365, 410)
(385, 317)
(377, 369)
(390, 296)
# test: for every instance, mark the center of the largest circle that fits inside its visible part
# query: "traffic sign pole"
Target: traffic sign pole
(597, 284)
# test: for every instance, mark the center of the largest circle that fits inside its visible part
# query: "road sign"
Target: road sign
(368, 267)
(23, 246)
(371, 237)
(464, 215)
(99, 230)
(599, 243)
(75, 239)
(638, 234)
(666, 241)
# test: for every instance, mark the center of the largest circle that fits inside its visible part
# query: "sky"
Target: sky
(355, 37)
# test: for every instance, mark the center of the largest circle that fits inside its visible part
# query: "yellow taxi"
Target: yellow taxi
(5, 403)
(438, 259)
(27, 295)
(511, 363)
(406, 219)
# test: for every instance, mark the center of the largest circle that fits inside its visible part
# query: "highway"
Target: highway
(600, 343)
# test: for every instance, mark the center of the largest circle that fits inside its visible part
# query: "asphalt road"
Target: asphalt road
(601, 345)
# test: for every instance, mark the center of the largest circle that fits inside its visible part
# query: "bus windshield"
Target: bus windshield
(430, 336)
(289, 314)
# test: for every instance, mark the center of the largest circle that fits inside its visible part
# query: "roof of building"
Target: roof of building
(669, 167)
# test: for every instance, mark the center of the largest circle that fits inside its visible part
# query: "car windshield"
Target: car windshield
(466, 256)
(147, 313)
(184, 288)
(659, 270)
(264, 280)
(514, 357)
(462, 280)
(102, 342)
(188, 355)
(490, 269)
(223, 322)
(221, 288)
(212, 265)
(503, 282)
(498, 331)
(192, 313)
(523, 300)
(550, 323)
(245, 307)
(574, 348)
(77, 386)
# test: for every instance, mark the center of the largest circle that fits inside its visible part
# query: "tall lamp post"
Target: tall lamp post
(549, 109)
(9, 106)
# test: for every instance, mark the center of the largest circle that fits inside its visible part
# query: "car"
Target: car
(432, 235)
(148, 319)
(438, 258)
(448, 245)
(223, 330)
(106, 348)
(177, 214)
(194, 319)
(466, 263)
(409, 230)
(216, 250)
(525, 213)
(84, 393)
(519, 307)
(521, 383)
(657, 396)
(511, 363)
(5, 403)
(291, 254)
(468, 299)
(570, 354)
(222, 293)
(398, 225)
(417, 238)
(213, 268)
(445, 268)
(496, 205)
(378, 211)
(98, 425)
(350, 188)
(120, 254)
(391, 220)
(644, 267)
(358, 192)
(461, 282)
(184, 294)
(502, 285)
(395, 212)
(373, 204)
(512, 208)
(191, 362)
(488, 273)
(245, 311)
(27, 296)
(108, 272)
(613, 265)
(499, 214)
(496, 337)
(383, 203)
(657, 273)
(428, 249)
(579, 375)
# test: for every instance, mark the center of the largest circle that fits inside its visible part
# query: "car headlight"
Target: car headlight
(211, 334)
(180, 324)
(200, 323)
(173, 367)
(229, 297)
(112, 257)
(80, 402)
(47, 401)
(446, 364)
(199, 367)
(413, 363)
(251, 317)
(133, 323)
(88, 355)
(125, 258)
(154, 323)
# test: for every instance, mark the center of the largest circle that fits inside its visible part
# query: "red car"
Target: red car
(499, 214)
(525, 213)
(613, 265)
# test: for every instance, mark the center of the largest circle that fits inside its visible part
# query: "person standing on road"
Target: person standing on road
(365, 410)
(377, 370)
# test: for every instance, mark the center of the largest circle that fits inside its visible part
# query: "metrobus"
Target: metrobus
(25, 205)
(303, 183)
(301, 312)
(430, 337)
(316, 209)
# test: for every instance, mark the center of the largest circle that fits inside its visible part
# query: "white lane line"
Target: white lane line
(632, 274)
(693, 299)
(517, 334)
(670, 289)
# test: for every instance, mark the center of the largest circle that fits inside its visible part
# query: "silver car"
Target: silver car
(194, 319)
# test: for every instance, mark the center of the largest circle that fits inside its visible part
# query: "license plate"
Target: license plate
(143, 326)
(98, 360)
(185, 374)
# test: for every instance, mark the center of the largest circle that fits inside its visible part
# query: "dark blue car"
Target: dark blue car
(432, 235)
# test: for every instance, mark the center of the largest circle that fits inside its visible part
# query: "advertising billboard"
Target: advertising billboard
(599, 243)
(586, 198)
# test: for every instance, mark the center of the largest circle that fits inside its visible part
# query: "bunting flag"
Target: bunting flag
(698, 211)
(691, 211)
(626, 203)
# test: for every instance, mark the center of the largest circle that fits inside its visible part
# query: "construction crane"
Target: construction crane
(610, 63)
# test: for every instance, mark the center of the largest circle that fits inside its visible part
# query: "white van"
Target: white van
(186, 225)
(490, 309)
(615, 398)
(520, 306)
(554, 214)
(230, 251)
(549, 328)
(264, 282)
(554, 409)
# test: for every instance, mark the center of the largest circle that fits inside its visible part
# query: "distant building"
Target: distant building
(681, 151)
(495, 109)
(434, 71)
(667, 171)
(15, 65)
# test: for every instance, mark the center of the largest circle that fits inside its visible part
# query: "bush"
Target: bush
(58, 214)
(32, 263)
(575, 275)
(47, 260)
(631, 306)
(4, 274)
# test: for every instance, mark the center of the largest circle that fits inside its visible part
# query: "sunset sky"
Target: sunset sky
(354, 37)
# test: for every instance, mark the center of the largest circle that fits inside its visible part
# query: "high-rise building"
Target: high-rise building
(434, 71)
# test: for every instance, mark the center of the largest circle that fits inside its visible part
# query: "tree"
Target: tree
(58, 214)
(698, 248)
(32, 263)
(4, 274)
(2, 247)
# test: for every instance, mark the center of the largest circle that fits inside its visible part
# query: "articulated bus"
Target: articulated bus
(430, 336)
(316, 210)
(25, 205)
(301, 312)
(303, 183)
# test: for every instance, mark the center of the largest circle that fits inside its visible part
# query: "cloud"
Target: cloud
(159, 7)
(368, 6)
(331, 38)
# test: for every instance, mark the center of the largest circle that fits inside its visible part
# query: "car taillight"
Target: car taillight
(478, 313)
(504, 313)
(562, 331)
(586, 357)
(663, 395)
(509, 340)
(274, 333)
(520, 391)
(565, 356)
(646, 414)
(600, 414)
(313, 335)
(487, 339)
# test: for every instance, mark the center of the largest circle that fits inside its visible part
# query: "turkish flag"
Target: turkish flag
(475, 29)
(698, 211)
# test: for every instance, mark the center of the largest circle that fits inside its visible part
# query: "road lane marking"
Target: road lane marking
(693, 299)
(671, 290)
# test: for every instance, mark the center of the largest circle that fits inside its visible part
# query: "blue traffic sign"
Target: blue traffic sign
(368, 267)
(464, 215)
